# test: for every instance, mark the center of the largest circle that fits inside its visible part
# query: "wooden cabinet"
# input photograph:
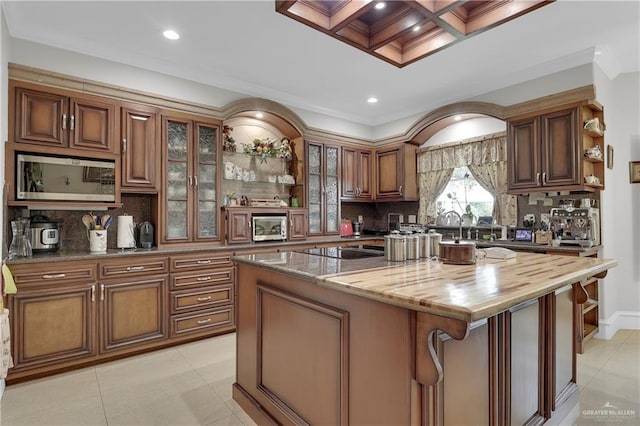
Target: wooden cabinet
(133, 302)
(396, 173)
(139, 148)
(356, 175)
(238, 225)
(53, 316)
(190, 155)
(202, 296)
(54, 118)
(323, 175)
(546, 152)
(298, 220)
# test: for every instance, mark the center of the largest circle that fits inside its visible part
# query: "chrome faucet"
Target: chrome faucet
(459, 220)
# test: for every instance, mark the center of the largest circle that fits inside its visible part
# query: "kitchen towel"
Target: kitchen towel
(9, 284)
(6, 362)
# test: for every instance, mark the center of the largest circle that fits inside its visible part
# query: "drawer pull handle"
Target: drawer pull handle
(203, 278)
(203, 262)
(53, 276)
(203, 299)
(204, 321)
(135, 268)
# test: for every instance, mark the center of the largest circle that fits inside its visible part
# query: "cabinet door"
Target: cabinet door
(364, 172)
(204, 181)
(523, 153)
(315, 187)
(138, 147)
(350, 172)
(561, 149)
(133, 312)
(297, 225)
(332, 191)
(238, 226)
(92, 124)
(390, 176)
(53, 325)
(177, 209)
(41, 118)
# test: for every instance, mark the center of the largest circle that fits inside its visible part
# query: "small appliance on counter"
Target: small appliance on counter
(45, 234)
(577, 226)
(346, 229)
(145, 235)
(357, 227)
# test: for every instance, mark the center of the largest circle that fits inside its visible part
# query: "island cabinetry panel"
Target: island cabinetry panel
(202, 294)
(58, 118)
(53, 316)
(547, 151)
(356, 174)
(308, 355)
(396, 173)
(133, 303)
(190, 156)
(139, 148)
(323, 190)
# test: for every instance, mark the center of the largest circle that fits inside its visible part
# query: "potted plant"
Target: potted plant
(230, 199)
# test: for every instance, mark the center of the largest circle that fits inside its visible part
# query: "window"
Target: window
(464, 195)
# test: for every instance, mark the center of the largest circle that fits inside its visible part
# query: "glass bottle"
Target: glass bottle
(21, 240)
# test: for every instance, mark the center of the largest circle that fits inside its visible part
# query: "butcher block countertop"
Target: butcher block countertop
(466, 292)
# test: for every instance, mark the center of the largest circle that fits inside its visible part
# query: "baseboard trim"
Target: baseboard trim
(620, 320)
(2, 386)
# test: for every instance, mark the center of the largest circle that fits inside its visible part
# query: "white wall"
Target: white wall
(620, 203)
(467, 129)
(4, 54)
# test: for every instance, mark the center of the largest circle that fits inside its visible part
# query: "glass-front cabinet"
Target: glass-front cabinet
(323, 191)
(190, 159)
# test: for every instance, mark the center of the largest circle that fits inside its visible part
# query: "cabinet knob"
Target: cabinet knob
(93, 293)
(204, 321)
(400, 189)
(203, 299)
(538, 179)
(72, 125)
(135, 268)
(53, 276)
(64, 122)
(544, 178)
(124, 145)
(203, 279)
(203, 262)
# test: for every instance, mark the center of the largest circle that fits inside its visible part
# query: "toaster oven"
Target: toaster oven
(269, 228)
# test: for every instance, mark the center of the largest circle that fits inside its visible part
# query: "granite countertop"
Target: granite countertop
(84, 254)
(467, 292)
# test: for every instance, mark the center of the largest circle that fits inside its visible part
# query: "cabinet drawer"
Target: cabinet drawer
(133, 266)
(49, 273)
(211, 277)
(222, 318)
(205, 298)
(199, 261)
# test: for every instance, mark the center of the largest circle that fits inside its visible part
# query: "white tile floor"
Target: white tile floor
(191, 385)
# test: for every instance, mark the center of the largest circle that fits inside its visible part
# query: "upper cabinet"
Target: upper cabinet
(139, 148)
(547, 151)
(356, 174)
(50, 117)
(323, 177)
(396, 178)
(190, 150)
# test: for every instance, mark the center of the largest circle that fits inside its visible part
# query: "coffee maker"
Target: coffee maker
(357, 227)
(576, 226)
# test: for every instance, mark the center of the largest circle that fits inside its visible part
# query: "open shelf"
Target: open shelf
(589, 305)
(589, 330)
(594, 160)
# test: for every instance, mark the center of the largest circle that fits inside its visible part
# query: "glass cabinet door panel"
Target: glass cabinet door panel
(332, 161)
(177, 219)
(206, 219)
(315, 159)
(315, 190)
(177, 140)
(332, 204)
(207, 143)
(176, 181)
(314, 218)
(207, 173)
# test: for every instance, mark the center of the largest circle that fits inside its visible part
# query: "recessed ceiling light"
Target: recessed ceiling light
(380, 5)
(171, 35)
(372, 100)
(457, 118)
(259, 115)
(416, 28)
(597, 52)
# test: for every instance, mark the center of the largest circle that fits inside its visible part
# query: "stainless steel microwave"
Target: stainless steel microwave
(44, 177)
(269, 228)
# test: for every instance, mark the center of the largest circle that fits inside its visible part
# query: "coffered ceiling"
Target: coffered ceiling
(249, 49)
(404, 31)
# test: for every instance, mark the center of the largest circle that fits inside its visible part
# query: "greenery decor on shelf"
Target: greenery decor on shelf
(264, 149)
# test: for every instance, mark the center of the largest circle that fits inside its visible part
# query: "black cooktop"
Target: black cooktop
(343, 252)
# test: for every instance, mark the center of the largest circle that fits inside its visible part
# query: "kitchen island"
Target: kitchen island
(325, 340)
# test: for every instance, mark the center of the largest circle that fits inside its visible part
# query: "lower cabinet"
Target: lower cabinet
(202, 294)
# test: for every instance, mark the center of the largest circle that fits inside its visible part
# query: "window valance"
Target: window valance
(477, 151)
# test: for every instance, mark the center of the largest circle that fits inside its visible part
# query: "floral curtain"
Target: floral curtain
(486, 158)
(431, 184)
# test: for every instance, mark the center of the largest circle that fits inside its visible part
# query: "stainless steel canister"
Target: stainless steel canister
(425, 245)
(435, 243)
(413, 247)
(395, 247)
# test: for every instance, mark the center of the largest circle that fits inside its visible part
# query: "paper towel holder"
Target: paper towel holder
(126, 234)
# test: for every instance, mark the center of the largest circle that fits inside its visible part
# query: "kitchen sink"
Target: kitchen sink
(345, 253)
